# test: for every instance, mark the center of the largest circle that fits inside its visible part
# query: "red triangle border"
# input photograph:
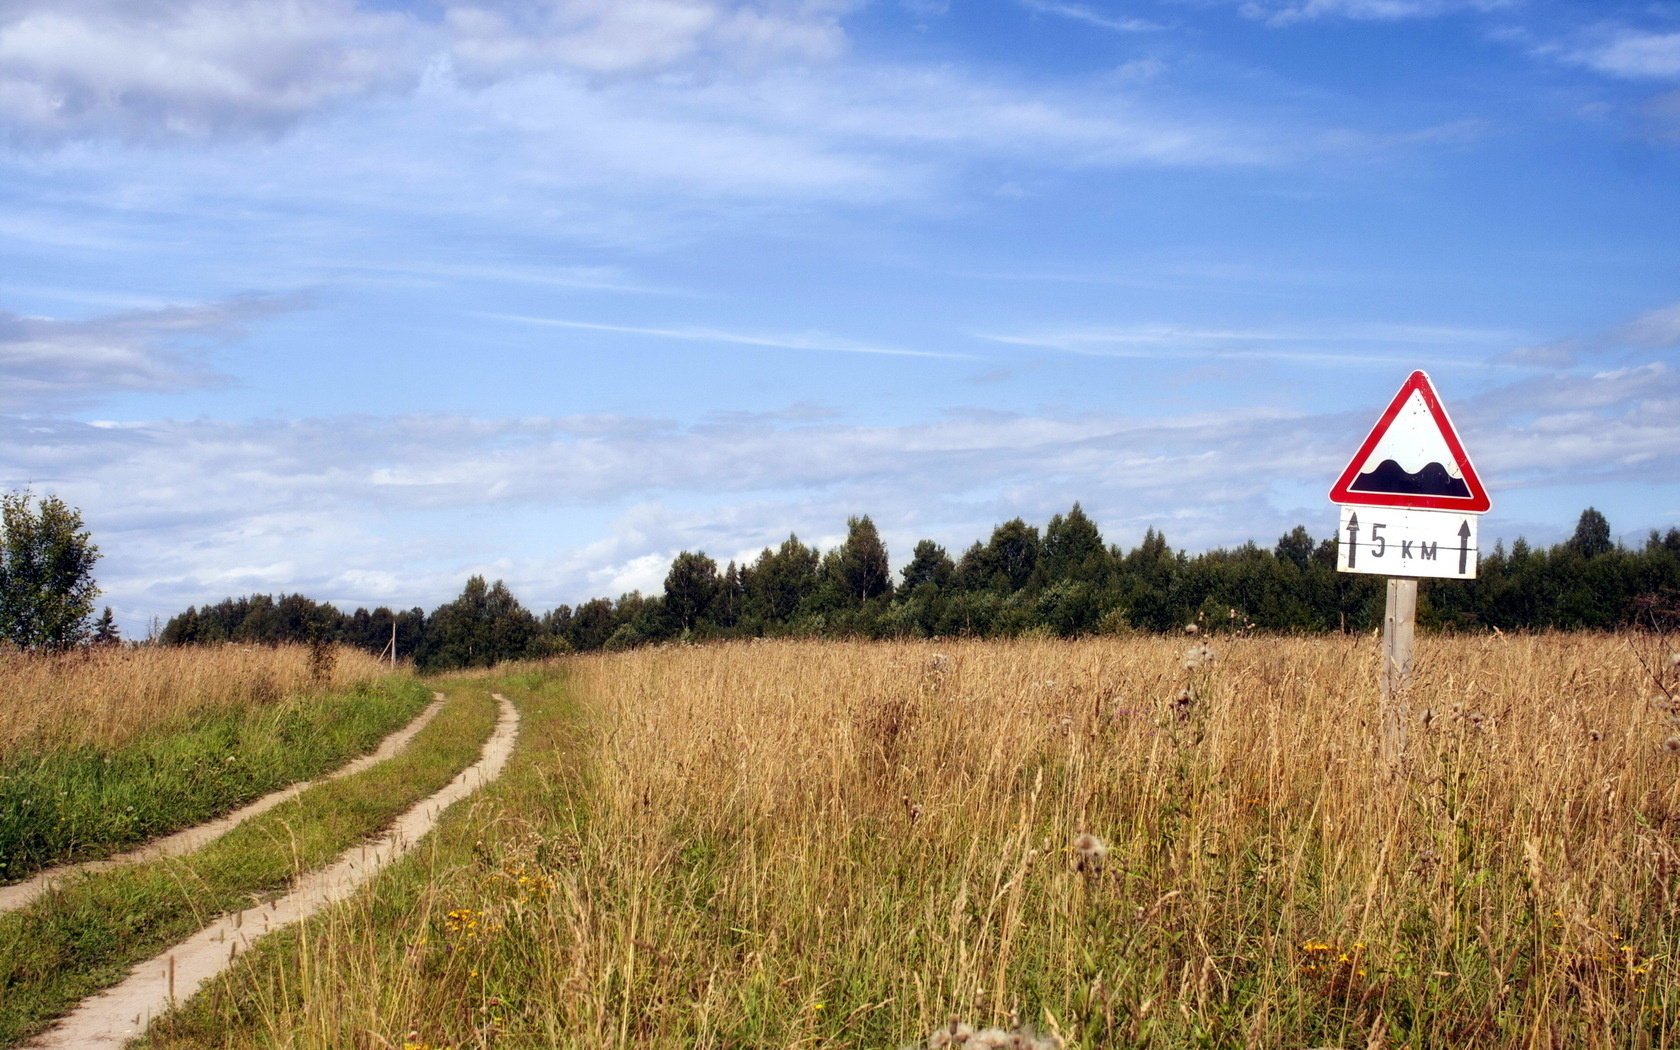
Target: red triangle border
(1476, 503)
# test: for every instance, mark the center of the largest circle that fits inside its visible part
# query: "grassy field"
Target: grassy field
(104, 749)
(839, 845)
(103, 698)
(85, 934)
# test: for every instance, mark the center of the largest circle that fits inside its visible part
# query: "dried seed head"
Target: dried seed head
(954, 1034)
(1672, 745)
(1026, 1038)
(1191, 628)
(991, 1039)
(1089, 852)
(1198, 656)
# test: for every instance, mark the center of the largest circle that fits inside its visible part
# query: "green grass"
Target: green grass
(83, 802)
(85, 935)
(486, 841)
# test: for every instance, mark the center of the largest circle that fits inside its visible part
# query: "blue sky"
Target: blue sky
(358, 299)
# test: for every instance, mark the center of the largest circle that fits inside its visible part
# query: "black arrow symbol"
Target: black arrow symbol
(1353, 539)
(1463, 546)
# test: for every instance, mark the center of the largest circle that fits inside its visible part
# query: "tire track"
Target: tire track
(23, 893)
(122, 1012)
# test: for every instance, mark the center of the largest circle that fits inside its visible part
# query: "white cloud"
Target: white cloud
(367, 510)
(1293, 11)
(1659, 329)
(1570, 429)
(494, 40)
(1632, 54)
(1090, 16)
(728, 97)
(47, 364)
(151, 69)
(147, 69)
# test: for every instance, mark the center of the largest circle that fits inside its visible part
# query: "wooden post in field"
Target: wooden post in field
(1399, 623)
(393, 643)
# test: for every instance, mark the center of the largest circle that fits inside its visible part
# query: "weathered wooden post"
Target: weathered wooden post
(1399, 622)
(1410, 503)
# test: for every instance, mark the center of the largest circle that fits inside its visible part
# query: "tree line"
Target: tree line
(1063, 580)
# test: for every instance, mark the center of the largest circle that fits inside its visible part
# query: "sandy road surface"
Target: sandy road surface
(20, 894)
(120, 1013)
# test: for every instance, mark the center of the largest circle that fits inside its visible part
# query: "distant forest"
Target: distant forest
(1064, 581)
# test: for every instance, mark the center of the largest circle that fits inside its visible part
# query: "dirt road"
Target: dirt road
(120, 1013)
(20, 894)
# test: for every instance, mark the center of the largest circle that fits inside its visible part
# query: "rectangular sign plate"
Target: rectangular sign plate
(1389, 541)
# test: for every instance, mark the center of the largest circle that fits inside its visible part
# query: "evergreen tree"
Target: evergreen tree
(1592, 535)
(105, 631)
(1073, 549)
(862, 567)
(929, 564)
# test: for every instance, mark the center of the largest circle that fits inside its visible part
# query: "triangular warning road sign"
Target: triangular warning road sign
(1413, 458)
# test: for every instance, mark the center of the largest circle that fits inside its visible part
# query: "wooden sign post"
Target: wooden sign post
(1410, 504)
(1399, 621)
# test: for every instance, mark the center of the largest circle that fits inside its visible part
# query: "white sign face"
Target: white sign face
(1388, 541)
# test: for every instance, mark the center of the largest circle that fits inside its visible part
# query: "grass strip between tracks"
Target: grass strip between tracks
(390, 954)
(86, 934)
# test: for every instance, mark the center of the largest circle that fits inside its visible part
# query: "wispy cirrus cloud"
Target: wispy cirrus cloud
(1657, 329)
(1354, 345)
(48, 364)
(816, 342)
(1289, 12)
(491, 40)
(1091, 16)
(1626, 52)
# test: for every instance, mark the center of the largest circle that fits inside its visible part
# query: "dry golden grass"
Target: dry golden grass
(106, 697)
(879, 810)
(847, 845)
